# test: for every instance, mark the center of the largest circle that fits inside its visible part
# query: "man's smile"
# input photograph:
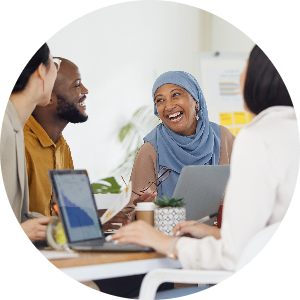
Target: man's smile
(81, 101)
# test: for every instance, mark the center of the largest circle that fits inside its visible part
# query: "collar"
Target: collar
(41, 134)
(277, 111)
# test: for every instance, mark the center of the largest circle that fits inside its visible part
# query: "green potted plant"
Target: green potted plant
(168, 213)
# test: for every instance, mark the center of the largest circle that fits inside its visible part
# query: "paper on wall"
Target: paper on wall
(224, 86)
(235, 120)
(225, 119)
(119, 203)
(240, 118)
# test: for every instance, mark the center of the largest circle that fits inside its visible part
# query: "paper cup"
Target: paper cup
(145, 212)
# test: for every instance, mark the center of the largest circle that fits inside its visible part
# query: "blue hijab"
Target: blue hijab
(176, 151)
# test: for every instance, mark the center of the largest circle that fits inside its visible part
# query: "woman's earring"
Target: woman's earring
(197, 112)
(43, 85)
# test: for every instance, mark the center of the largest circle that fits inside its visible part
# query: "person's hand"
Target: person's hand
(199, 231)
(179, 226)
(147, 196)
(141, 233)
(35, 229)
(118, 218)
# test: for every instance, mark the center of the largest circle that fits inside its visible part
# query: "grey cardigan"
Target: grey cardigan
(13, 164)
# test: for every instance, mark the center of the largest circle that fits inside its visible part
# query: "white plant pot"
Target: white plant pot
(166, 218)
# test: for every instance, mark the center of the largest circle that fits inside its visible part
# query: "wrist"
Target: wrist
(215, 232)
(162, 244)
(172, 252)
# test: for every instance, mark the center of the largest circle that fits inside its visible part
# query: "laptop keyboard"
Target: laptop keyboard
(109, 246)
(117, 246)
(96, 243)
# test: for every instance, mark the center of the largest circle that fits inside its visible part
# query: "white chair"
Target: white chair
(156, 277)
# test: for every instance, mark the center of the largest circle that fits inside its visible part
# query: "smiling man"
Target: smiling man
(45, 146)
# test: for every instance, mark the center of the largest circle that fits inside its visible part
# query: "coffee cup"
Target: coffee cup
(145, 212)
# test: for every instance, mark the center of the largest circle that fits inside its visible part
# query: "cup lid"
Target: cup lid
(145, 206)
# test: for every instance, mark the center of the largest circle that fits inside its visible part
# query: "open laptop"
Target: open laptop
(78, 213)
(202, 188)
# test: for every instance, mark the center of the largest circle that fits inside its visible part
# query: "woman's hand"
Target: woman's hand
(179, 226)
(147, 196)
(199, 231)
(141, 233)
(35, 229)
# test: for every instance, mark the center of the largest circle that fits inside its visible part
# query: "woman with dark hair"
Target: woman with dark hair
(264, 168)
(260, 92)
(33, 87)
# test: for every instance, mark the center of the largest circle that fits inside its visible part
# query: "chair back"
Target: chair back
(256, 244)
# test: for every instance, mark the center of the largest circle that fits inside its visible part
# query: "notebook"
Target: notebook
(202, 188)
(78, 213)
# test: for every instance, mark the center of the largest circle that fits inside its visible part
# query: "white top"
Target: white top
(263, 174)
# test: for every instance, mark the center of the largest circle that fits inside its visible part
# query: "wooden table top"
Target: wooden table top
(95, 258)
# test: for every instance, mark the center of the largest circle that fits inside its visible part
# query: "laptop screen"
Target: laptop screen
(77, 206)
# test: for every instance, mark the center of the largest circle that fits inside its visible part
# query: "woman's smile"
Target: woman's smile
(176, 108)
(175, 117)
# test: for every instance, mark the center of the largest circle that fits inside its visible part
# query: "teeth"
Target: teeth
(82, 103)
(174, 115)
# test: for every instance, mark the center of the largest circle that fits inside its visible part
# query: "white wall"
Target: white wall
(227, 38)
(120, 51)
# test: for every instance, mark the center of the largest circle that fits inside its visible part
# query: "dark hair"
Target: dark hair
(40, 57)
(264, 86)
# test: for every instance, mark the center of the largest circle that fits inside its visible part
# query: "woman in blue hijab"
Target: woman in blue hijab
(185, 137)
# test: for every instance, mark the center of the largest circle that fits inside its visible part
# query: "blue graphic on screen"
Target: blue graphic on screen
(78, 207)
(77, 216)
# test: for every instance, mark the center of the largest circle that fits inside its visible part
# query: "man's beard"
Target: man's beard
(69, 112)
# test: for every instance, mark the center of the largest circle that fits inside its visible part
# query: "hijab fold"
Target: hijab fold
(175, 151)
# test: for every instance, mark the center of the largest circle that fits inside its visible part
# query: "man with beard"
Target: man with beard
(45, 146)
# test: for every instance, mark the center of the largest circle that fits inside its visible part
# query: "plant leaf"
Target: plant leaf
(165, 201)
(158, 203)
(106, 185)
(125, 130)
(165, 198)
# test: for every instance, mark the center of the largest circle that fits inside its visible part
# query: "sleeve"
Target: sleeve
(33, 215)
(3, 137)
(227, 139)
(143, 172)
(248, 206)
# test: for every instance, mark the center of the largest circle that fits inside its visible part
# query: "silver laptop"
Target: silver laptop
(78, 213)
(202, 188)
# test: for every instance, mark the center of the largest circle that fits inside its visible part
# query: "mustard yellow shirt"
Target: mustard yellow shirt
(42, 154)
